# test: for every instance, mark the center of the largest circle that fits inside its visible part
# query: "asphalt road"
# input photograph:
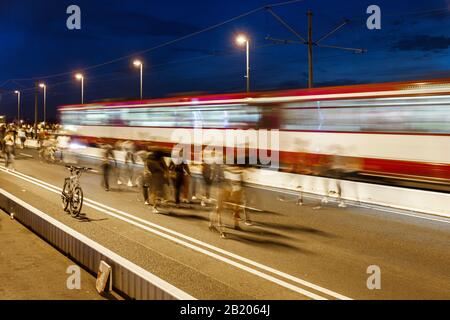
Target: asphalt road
(32, 269)
(289, 252)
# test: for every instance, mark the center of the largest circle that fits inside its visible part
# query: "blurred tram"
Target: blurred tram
(394, 133)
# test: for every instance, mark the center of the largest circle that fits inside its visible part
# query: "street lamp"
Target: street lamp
(80, 77)
(140, 65)
(18, 106)
(43, 86)
(243, 40)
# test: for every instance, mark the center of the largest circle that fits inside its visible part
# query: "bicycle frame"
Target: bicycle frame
(74, 180)
(70, 189)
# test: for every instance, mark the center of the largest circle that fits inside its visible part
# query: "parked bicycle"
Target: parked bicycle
(72, 194)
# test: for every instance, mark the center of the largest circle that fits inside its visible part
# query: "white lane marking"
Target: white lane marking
(243, 259)
(167, 287)
(104, 209)
(26, 155)
(97, 206)
(230, 254)
(193, 247)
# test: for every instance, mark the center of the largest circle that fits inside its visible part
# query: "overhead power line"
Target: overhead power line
(310, 42)
(167, 43)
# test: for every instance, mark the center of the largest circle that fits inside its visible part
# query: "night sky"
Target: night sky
(414, 43)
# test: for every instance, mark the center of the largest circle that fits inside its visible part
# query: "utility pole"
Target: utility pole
(310, 41)
(36, 110)
(247, 47)
(18, 106)
(310, 51)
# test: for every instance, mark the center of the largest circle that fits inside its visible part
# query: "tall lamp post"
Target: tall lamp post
(243, 40)
(18, 106)
(140, 65)
(80, 77)
(43, 86)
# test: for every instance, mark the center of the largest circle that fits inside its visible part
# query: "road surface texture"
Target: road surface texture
(289, 251)
(30, 268)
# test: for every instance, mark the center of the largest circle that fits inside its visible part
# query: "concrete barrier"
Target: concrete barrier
(421, 201)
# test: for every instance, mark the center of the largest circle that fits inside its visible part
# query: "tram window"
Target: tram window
(226, 116)
(95, 117)
(397, 114)
(419, 114)
(147, 117)
(70, 117)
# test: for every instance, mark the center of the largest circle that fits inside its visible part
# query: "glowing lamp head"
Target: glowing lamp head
(16, 92)
(241, 40)
(137, 63)
(42, 85)
(79, 76)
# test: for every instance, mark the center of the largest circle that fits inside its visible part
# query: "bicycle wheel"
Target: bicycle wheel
(65, 195)
(77, 202)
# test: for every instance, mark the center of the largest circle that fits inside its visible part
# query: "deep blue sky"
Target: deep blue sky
(413, 43)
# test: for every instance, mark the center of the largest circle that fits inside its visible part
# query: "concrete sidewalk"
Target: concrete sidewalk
(31, 269)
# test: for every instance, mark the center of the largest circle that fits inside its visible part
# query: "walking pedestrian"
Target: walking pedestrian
(2, 138)
(158, 168)
(218, 179)
(208, 176)
(129, 149)
(41, 137)
(231, 194)
(107, 156)
(22, 136)
(9, 151)
(180, 170)
(63, 144)
(146, 181)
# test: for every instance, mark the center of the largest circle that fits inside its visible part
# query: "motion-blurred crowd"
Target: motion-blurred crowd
(166, 183)
(169, 182)
(15, 135)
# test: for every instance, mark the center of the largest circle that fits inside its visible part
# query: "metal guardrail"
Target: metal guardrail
(127, 277)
